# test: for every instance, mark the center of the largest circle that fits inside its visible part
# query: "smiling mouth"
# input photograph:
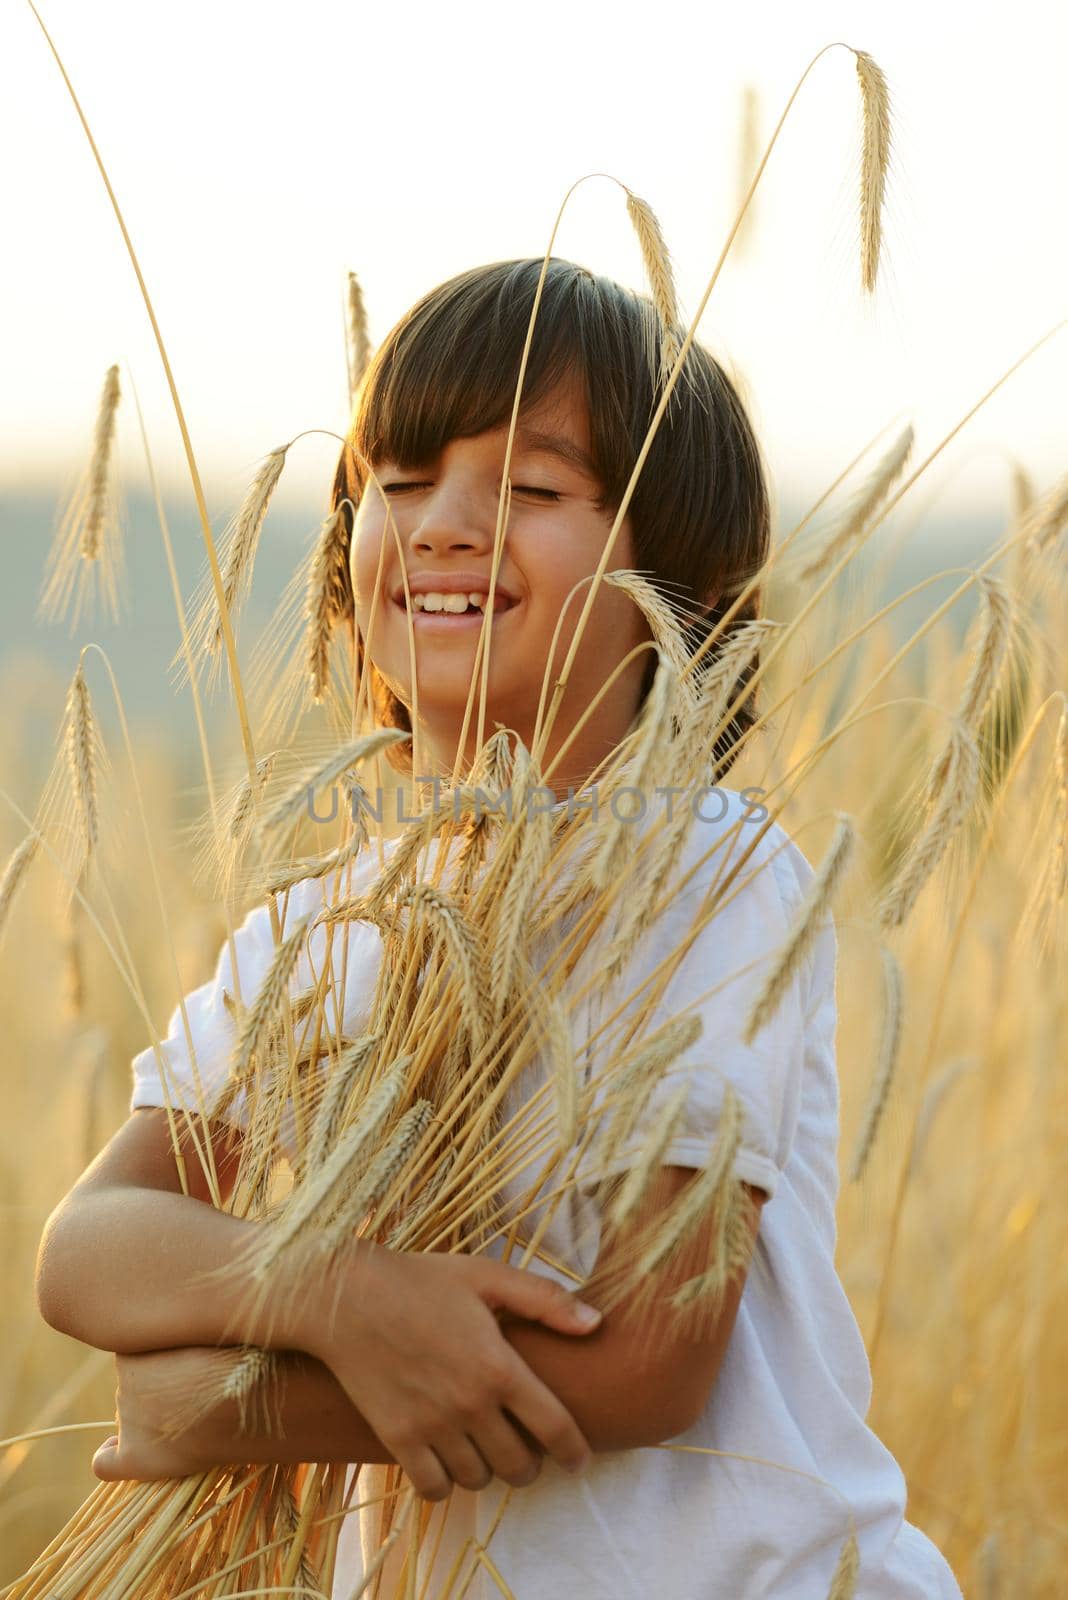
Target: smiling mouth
(447, 620)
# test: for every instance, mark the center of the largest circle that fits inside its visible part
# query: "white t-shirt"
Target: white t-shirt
(794, 1386)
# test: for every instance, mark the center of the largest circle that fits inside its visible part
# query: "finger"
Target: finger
(532, 1295)
(425, 1472)
(536, 1407)
(106, 1460)
(463, 1461)
(512, 1453)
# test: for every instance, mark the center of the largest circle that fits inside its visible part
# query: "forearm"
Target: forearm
(609, 1382)
(313, 1420)
(124, 1269)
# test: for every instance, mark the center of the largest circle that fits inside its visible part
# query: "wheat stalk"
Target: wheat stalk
(844, 1581)
(748, 160)
(807, 923)
(932, 1099)
(1060, 844)
(652, 735)
(875, 158)
(889, 1048)
(661, 276)
(867, 502)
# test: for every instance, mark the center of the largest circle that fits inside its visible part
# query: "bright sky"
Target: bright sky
(260, 151)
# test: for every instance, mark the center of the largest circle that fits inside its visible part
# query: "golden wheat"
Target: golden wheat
(875, 158)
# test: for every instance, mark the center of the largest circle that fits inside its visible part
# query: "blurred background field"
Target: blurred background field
(966, 1392)
(253, 179)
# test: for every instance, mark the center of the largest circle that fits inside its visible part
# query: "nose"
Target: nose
(453, 517)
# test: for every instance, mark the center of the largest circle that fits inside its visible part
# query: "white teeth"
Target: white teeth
(436, 600)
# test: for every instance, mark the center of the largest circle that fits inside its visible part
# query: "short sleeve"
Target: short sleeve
(211, 1009)
(212, 1028)
(718, 978)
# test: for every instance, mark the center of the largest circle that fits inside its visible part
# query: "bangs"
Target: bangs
(450, 368)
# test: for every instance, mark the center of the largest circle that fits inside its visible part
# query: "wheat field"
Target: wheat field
(960, 1313)
(947, 755)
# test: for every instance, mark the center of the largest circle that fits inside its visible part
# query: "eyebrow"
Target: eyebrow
(556, 444)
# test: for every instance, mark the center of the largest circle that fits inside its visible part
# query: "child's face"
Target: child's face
(446, 513)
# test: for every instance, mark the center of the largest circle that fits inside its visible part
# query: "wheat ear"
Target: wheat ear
(632, 1191)
(382, 1169)
(1047, 517)
(870, 497)
(327, 601)
(957, 791)
(990, 656)
(889, 1048)
(337, 1091)
(705, 1193)
(104, 435)
(317, 1197)
(875, 158)
(315, 778)
(257, 1020)
(634, 1078)
(359, 343)
(806, 925)
(652, 733)
(82, 743)
(659, 271)
(14, 871)
(662, 619)
(87, 547)
(237, 555)
(464, 945)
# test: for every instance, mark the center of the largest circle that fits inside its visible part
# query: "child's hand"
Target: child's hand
(417, 1347)
(149, 1391)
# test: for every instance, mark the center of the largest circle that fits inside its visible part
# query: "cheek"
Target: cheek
(364, 555)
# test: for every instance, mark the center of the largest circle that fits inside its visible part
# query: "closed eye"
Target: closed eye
(519, 488)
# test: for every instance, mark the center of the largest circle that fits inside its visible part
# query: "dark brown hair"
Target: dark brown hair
(700, 511)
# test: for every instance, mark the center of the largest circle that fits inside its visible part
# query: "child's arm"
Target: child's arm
(624, 1389)
(637, 1382)
(413, 1339)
